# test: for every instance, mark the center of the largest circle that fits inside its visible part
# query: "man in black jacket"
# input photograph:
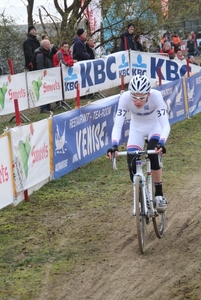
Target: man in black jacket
(79, 47)
(127, 39)
(43, 56)
(29, 46)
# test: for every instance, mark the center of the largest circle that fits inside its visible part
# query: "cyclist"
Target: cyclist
(148, 119)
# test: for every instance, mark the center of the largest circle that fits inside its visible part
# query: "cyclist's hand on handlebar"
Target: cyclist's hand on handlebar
(112, 150)
(160, 148)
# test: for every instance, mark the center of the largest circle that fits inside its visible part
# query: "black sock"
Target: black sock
(158, 188)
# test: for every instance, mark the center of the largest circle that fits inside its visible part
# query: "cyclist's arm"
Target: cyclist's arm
(163, 119)
(119, 120)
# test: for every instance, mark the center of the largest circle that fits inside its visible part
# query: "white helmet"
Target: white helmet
(139, 84)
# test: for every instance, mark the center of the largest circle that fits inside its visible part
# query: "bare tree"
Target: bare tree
(29, 6)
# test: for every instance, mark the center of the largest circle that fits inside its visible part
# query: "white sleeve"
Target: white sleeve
(119, 119)
(161, 109)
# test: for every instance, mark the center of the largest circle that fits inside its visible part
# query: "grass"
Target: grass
(44, 233)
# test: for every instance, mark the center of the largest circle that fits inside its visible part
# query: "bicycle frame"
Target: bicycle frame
(143, 205)
(147, 191)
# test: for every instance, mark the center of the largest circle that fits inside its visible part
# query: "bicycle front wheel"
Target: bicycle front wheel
(140, 215)
(159, 225)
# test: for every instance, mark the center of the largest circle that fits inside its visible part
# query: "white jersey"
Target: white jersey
(150, 120)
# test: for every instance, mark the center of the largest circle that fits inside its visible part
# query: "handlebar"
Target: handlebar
(136, 152)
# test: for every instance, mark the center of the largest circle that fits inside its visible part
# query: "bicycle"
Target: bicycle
(143, 199)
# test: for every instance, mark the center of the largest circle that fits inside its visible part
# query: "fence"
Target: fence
(33, 89)
(34, 154)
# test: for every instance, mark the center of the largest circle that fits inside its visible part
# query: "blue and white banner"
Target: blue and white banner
(173, 95)
(193, 85)
(82, 135)
(96, 75)
(149, 63)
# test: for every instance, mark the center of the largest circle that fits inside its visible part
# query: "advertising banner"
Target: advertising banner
(149, 63)
(13, 87)
(95, 75)
(193, 94)
(82, 135)
(173, 94)
(30, 152)
(6, 191)
(44, 86)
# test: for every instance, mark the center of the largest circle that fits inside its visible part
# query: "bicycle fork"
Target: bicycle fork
(142, 193)
(146, 190)
(149, 190)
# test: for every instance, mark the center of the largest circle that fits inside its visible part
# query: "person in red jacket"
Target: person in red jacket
(168, 50)
(63, 56)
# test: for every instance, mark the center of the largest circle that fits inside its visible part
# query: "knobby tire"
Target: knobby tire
(140, 216)
(158, 222)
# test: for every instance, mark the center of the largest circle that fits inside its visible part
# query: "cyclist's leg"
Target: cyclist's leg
(161, 203)
(156, 170)
(135, 142)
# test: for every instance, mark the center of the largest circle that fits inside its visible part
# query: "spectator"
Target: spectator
(79, 46)
(179, 54)
(92, 53)
(192, 60)
(194, 38)
(165, 38)
(90, 47)
(127, 39)
(53, 49)
(197, 52)
(154, 48)
(63, 56)
(176, 42)
(190, 46)
(29, 46)
(167, 50)
(138, 42)
(43, 61)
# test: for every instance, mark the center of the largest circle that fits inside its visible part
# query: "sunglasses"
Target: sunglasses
(141, 98)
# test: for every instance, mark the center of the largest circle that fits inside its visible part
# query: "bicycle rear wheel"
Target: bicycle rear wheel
(159, 225)
(140, 216)
(158, 221)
